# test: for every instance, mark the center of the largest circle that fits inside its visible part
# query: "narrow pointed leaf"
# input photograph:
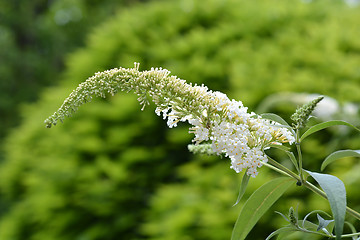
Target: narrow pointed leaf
(290, 154)
(257, 204)
(274, 117)
(312, 212)
(243, 185)
(309, 226)
(281, 214)
(322, 222)
(281, 147)
(336, 194)
(293, 159)
(286, 229)
(324, 125)
(339, 154)
(351, 226)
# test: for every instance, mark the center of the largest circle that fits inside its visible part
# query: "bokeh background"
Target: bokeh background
(114, 172)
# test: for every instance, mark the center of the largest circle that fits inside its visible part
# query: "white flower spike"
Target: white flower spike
(231, 130)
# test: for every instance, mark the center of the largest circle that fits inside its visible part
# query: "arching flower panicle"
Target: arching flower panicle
(225, 123)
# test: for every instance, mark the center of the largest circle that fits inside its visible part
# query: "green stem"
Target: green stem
(312, 232)
(351, 235)
(298, 149)
(319, 192)
(285, 171)
(276, 169)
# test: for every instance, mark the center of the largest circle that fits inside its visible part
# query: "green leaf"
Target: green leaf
(351, 226)
(322, 222)
(339, 154)
(336, 194)
(308, 226)
(281, 147)
(312, 212)
(278, 119)
(257, 204)
(285, 229)
(243, 185)
(324, 125)
(283, 215)
(275, 118)
(293, 159)
(290, 154)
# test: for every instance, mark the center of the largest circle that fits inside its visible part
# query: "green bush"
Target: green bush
(113, 172)
(35, 36)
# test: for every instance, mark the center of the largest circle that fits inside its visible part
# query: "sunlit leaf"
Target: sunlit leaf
(336, 194)
(257, 204)
(324, 125)
(339, 154)
(274, 117)
(278, 119)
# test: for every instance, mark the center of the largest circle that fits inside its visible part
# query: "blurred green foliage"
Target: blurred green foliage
(113, 172)
(35, 36)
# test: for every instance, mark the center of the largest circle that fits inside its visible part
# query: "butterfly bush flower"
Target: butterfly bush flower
(214, 118)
